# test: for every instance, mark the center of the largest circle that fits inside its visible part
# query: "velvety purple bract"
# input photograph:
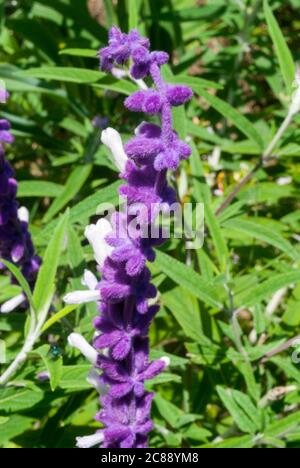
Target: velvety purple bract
(15, 241)
(125, 311)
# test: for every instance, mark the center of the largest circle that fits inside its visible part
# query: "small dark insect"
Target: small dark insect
(55, 351)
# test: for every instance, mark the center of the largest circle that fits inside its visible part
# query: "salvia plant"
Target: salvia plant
(15, 240)
(123, 248)
(126, 319)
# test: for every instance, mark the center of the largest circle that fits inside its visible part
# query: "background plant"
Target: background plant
(230, 311)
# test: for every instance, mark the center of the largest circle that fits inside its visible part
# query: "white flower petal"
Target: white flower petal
(79, 342)
(138, 128)
(166, 360)
(82, 297)
(89, 441)
(23, 214)
(12, 304)
(118, 73)
(284, 180)
(89, 280)
(96, 234)
(94, 381)
(295, 103)
(112, 139)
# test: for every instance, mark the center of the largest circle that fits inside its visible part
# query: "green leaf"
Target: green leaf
(133, 9)
(68, 74)
(170, 412)
(74, 377)
(2, 352)
(237, 410)
(14, 426)
(88, 207)
(197, 84)
(75, 258)
(283, 426)
(267, 288)
(58, 316)
(45, 284)
(253, 228)
(35, 188)
(21, 280)
(12, 399)
(73, 185)
(283, 53)
(217, 235)
(53, 366)
(189, 279)
(90, 53)
(239, 120)
(109, 13)
(46, 12)
(195, 432)
(113, 84)
(182, 305)
(233, 442)
(193, 14)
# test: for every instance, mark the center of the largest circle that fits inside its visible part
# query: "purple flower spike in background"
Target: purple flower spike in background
(125, 292)
(15, 241)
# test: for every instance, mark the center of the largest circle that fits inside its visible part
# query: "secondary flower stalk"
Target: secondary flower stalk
(15, 241)
(122, 247)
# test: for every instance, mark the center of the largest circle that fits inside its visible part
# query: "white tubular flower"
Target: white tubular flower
(23, 214)
(137, 130)
(284, 180)
(112, 139)
(79, 342)
(183, 184)
(94, 381)
(89, 280)
(89, 441)
(82, 297)
(12, 304)
(295, 104)
(96, 234)
(119, 73)
(166, 360)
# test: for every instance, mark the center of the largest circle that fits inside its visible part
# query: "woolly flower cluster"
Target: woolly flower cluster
(15, 241)
(125, 296)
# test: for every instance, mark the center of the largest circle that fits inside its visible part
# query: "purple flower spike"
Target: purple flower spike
(124, 245)
(144, 101)
(15, 241)
(178, 95)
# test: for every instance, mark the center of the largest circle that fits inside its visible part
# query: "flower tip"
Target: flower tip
(112, 139)
(89, 441)
(166, 360)
(75, 340)
(82, 297)
(12, 304)
(23, 214)
(89, 280)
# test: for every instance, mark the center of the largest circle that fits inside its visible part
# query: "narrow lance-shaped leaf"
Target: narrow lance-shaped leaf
(239, 120)
(44, 287)
(267, 288)
(21, 280)
(73, 185)
(282, 50)
(257, 230)
(189, 279)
